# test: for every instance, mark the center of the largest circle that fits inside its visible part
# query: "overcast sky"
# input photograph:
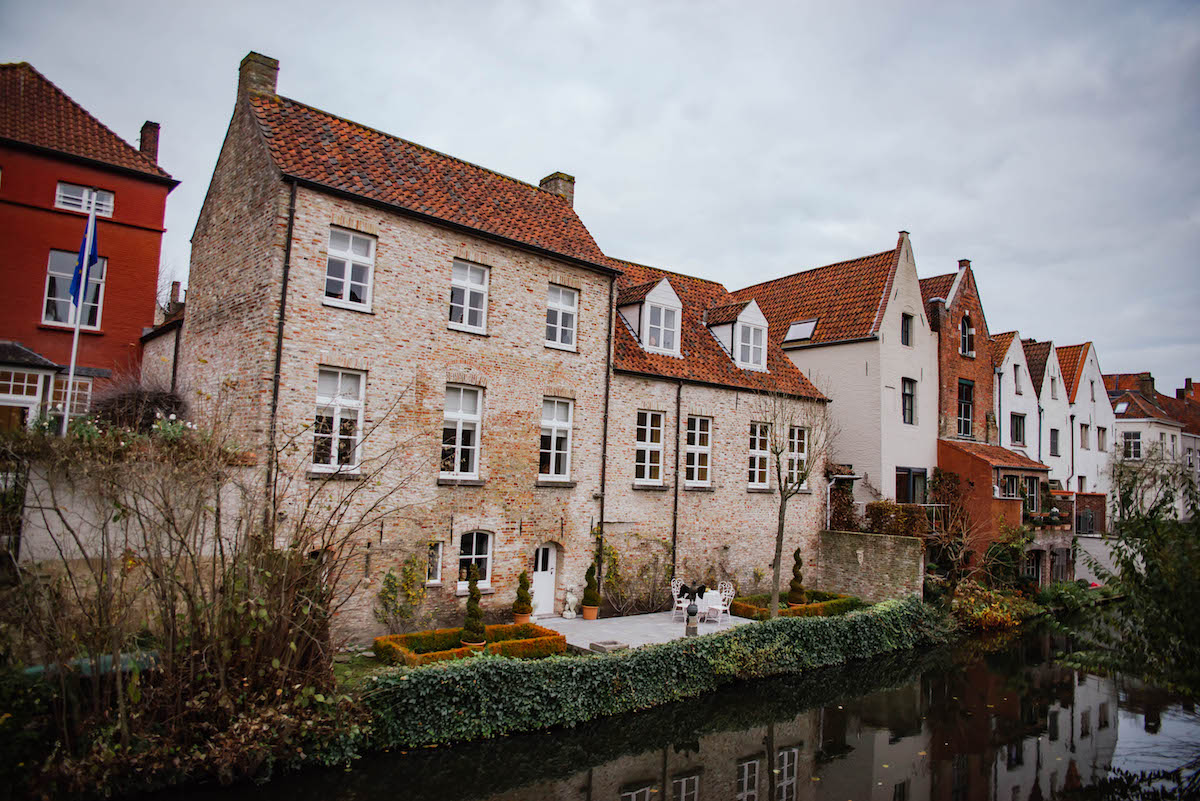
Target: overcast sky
(1057, 146)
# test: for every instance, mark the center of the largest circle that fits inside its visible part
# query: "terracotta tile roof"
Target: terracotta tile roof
(1124, 381)
(996, 456)
(1140, 407)
(703, 359)
(1036, 356)
(726, 313)
(634, 294)
(35, 112)
(937, 286)
(847, 299)
(316, 146)
(1137, 390)
(1000, 345)
(14, 353)
(1071, 360)
(1184, 411)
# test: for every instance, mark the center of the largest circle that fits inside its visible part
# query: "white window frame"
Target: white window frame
(559, 334)
(1013, 417)
(1033, 491)
(97, 276)
(746, 785)
(643, 793)
(554, 427)
(1131, 444)
(462, 279)
(786, 762)
(350, 260)
(73, 197)
(1085, 440)
(662, 328)
(1010, 486)
(433, 565)
(758, 474)
(81, 395)
(797, 457)
(343, 407)
(751, 346)
(648, 454)
(966, 425)
(685, 788)
(1055, 442)
(698, 451)
(461, 421)
(1017, 388)
(966, 336)
(1101, 438)
(1054, 387)
(485, 577)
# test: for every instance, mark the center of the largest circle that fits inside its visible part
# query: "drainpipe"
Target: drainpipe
(1040, 434)
(1000, 408)
(608, 345)
(829, 497)
(675, 500)
(283, 293)
(1072, 475)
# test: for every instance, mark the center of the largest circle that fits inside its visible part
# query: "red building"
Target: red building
(56, 159)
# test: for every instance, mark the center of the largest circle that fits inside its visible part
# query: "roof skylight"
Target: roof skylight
(800, 330)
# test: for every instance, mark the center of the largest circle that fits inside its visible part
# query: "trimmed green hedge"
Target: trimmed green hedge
(492, 696)
(524, 640)
(821, 604)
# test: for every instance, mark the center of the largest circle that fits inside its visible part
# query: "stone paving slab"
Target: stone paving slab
(633, 630)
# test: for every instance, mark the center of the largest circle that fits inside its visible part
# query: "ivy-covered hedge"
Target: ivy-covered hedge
(822, 604)
(493, 696)
(523, 640)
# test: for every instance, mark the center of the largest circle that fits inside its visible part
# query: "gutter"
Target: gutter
(675, 500)
(871, 338)
(283, 293)
(168, 181)
(608, 342)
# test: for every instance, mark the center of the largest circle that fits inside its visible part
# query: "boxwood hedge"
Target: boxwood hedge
(491, 696)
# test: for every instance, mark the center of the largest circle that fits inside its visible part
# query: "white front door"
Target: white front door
(545, 561)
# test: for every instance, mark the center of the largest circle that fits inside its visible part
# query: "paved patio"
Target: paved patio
(633, 630)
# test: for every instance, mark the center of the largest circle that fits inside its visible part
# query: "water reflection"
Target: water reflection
(1005, 725)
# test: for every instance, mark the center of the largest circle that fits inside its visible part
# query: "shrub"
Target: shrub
(524, 603)
(398, 602)
(985, 609)
(525, 641)
(796, 587)
(821, 604)
(591, 594)
(644, 586)
(472, 630)
(896, 519)
(1066, 597)
(490, 696)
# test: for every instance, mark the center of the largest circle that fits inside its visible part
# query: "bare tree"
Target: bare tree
(798, 434)
(1150, 485)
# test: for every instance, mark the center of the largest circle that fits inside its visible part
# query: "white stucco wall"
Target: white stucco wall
(1156, 434)
(1055, 414)
(1009, 401)
(1092, 408)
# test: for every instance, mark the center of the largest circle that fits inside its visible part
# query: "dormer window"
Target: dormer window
(751, 350)
(966, 337)
(662, 328)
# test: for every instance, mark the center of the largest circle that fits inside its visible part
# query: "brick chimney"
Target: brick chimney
(149, 141)
(561, 184)
(1190, 391)
(964, 264)
(257, 75)
(1146, 385)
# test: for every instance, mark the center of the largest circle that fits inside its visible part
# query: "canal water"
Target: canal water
(987, 721)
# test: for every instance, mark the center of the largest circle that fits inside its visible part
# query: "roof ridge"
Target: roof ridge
(665, 270)
(418, 145)
(815, 269)
(888, 284)
(935, 277)
(155, 167)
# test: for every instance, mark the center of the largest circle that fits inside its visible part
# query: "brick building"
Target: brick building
(56, 160)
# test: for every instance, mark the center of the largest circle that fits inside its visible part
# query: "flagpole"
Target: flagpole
(85, 271)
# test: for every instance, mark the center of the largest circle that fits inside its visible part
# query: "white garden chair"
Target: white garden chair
(679, 604)
(720, 605)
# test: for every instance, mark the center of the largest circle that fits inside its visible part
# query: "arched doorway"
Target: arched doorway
(545, 569)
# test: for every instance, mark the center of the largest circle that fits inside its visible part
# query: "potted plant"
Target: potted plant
(523, 606)
(796, 595)
(472, 631)
(591, 595)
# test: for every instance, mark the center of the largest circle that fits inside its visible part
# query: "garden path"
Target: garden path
(633, 630)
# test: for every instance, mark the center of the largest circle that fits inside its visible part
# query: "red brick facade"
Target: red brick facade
(956, 366)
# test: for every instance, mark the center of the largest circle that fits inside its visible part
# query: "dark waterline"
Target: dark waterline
(960, 725)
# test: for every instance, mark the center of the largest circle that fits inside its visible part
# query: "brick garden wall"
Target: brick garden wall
(875, 567)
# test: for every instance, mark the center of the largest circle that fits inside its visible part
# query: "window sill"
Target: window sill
(563, 348)
(762, 490)
(334, 475)
(449, 481)
(461, 592)
(967, 355)
(651, 487)
(433, 584)
(479, 332)
(67, 328)
(699, 488)
(542, 482)
(339, 304)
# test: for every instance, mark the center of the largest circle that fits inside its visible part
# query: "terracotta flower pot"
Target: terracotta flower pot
(521, 618)
(474, 646)
(591, 612)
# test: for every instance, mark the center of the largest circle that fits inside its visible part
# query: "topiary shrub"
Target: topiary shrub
(591, 594)
(796, 594)
(472, 630)
(524, 603)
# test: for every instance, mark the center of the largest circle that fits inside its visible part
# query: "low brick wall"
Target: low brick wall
(874, 567)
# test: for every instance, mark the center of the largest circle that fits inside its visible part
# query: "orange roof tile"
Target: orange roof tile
(996, 456)
(1001, 343)
(1071, 360)
(33, 111)
(847, 299)
(704, 359)
(937, 286)
(318, 147)
(725, 313)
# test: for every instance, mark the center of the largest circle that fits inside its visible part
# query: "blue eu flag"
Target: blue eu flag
(83, 265)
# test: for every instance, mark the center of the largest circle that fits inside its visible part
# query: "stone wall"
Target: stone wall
(875, 567)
